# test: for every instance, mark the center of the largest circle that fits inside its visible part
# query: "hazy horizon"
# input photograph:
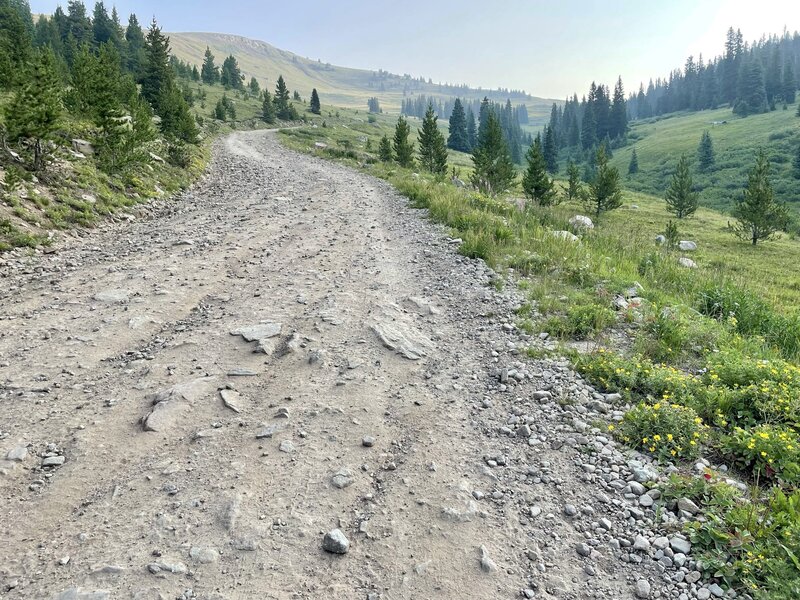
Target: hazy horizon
(549, 51)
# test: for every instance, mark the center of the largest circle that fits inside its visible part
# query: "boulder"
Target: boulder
(565, 235)
(687, 246)
(661, 240)
(82, 146)
(580, 223)
(687, 262)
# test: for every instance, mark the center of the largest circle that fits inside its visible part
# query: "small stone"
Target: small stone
(570, 510)
(643, 589)
(487, 564)
(583, 549)
(342, 479)
(703, 594)
(266, 432)
(641, 544)
(286, 446)
(680, 545)
(335, 542)
(685, 504)
(53, 461)
(203, 555)
(368, 441)
(17, 454)
(646, 500)
(716, 590)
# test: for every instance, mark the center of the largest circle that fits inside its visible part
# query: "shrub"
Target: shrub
(668, 431)
(766, 451)
(581, 321)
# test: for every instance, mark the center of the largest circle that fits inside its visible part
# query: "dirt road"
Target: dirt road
(184, 461)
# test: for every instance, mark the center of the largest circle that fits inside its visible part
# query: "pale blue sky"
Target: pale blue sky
(549, 48)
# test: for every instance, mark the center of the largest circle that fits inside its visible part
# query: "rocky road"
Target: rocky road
(192, 404)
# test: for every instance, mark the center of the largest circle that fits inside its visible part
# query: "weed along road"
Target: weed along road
(286, 383)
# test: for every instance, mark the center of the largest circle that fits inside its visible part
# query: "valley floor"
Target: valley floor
(471, 482)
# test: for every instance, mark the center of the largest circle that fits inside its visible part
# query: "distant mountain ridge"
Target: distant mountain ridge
(339, 86)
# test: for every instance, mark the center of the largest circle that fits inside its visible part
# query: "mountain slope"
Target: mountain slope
(339, 86)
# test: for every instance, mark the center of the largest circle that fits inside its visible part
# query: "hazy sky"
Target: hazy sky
(549, 48)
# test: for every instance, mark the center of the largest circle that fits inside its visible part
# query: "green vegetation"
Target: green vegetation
(493, 168)
(536, 184)
(680, 197)
(759, 216)
(403, 149)
(432, 148)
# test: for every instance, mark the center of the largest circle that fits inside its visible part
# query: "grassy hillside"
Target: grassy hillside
(660, 141)
(340, 86)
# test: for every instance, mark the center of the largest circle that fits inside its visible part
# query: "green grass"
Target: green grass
(660, 141)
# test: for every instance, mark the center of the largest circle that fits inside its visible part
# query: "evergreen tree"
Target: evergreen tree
(680, 197)
(458, 138)
(633, 166)
(788, 83)
(268, 109)
(483, 118)
(15, 43)
(230, 75)
(619, 112)
(796, 164)
(573, 189)
(493, 168)
(550, 150)
(315, 106)
(135, 43)
(209, 72)
(104, 30)
(759, 216)
(157, 72)
(385, 149)
(536, 184)
(283, 107)
(751, 96)
(604, 190)
(195, 73)
(705, 152)
(588, 129)
(35, 110)
(432, 147)
(472, 130)
(403, 149)
(220, 112)
(374, 106)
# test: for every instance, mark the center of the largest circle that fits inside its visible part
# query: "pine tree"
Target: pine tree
(283, 108)
(493, 169)
(705, 152)
(209, 72)
(230, 75)
(796, 164)
(633, 166)
(157, 72)
(15, 43)
(268, 108)
(550, 150)
(315, 106)
(135, 42)
(220, 113)
(536, 184)
(759, 216)
(472, 131)
(104, 29)
(680, 197)
(588, 129)
(403, 149)
(788, 83)
(619, 112)
(751, 94)
(573, 189)
(432, 147)
(35, 111)
(195, 73)
(604, 190)
(385, 149)
(458, 138)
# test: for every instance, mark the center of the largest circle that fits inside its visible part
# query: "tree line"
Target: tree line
(749, 77)
(92, 69)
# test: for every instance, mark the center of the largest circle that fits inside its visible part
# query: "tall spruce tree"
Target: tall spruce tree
(254, 87)
(458, 139)
(796, 163)
(314, 104)
(403, 149)
(135, 57)
(536, 184)
(549, 149)
(230, 75)
(573, 189)
(35, 110)
(15, 43)
(209, 72)
(619, 112)
(788, 83)
(751, 94)
(493, 168)
(385, 149)
(268, 108)
(472, 130)
(705, 152)
(432, 147)
(605, 192)
(759, 217)
(680, 197)
(283, 107)
(633, 166)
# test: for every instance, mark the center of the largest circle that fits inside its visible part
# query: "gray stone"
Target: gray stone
(680, 545)
(342, 479)
(335, 542)
(570, 510)
(716, 590)
(395, 338)
(693, 576)
(565, 235)
(487, 564)
(583, 549)
(687, 246)
(685, 504)
(53, 461)
(78, 594)
(286, 446)
(643, 589)
(641, 543)
(687, 263)
(82, 146)
(267, 432)
(113, 296)
(580, 223)
(17, 454)
(703, 594)
(203, 555)
(230, 399)
(368, 441)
